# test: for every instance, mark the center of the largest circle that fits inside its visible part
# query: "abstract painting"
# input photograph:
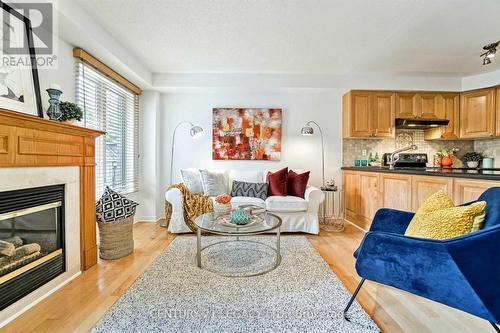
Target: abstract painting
(246, 134)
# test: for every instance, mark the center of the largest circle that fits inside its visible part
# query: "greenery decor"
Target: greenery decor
(472, 157)
(70, 111)
(447, 152)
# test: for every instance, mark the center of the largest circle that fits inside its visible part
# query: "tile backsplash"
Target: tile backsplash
(353, 148)
(489, 148)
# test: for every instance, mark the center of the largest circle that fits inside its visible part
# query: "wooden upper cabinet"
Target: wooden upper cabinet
(406, 105)
(410, 105)
(477, 113)
(427, 105)
(368, 114)
(384, 104)
(448, 107)
(361, 114)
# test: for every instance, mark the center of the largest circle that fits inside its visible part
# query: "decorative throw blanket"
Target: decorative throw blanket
(193, 206)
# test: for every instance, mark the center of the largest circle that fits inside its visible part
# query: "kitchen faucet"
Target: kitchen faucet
(393, 161)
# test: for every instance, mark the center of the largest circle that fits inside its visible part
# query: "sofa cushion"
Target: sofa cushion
(192, 179)
(277, 182)
(214, 183)
(245, 176)
(239, 201)
(297, 183)
(285, 204)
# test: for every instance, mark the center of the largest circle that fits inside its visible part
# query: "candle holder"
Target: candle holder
(54, 112)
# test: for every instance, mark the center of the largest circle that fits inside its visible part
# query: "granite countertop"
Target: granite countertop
(489, 174)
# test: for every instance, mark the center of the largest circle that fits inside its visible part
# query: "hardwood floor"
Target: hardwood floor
(78, 306)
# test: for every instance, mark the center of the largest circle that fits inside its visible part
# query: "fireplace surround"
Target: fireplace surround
(32, 228)
(36, 152)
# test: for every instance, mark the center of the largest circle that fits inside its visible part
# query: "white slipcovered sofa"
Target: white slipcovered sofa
(297, 214)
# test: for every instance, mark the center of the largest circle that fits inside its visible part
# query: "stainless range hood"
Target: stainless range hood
(419, 123)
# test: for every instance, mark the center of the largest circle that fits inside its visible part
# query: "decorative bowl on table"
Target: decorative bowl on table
(222, 204)
(240, 217)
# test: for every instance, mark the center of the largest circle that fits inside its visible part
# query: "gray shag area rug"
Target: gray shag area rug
(174, 295)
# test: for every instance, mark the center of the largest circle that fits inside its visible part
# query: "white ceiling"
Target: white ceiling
(397, 37)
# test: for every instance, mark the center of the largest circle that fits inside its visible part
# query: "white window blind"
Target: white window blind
(110, 107)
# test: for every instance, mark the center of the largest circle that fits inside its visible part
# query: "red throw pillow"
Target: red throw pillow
(277, 182)
(297, 183)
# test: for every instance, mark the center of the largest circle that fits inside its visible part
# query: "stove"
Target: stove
(407, 160)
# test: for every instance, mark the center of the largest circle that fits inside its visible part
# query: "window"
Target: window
(110, 107)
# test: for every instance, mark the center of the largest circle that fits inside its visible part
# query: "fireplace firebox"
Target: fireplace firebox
(31, 240)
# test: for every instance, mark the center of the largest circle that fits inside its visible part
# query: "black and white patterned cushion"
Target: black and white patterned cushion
(244, 189)
(113, 206)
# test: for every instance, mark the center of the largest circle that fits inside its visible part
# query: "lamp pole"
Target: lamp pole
(309, 123)
(173, 145)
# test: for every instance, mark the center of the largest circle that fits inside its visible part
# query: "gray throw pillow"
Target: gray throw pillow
(244, 189)
(214, 183)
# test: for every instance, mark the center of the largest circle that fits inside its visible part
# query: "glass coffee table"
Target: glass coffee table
(217, 224)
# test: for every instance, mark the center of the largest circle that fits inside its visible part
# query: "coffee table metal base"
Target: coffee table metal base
(199, 250)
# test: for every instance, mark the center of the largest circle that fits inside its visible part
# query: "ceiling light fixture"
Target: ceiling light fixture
(491, 50)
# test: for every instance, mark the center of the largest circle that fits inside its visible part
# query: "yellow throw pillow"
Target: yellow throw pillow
(445, 223)
(479, 221)
(438, 200)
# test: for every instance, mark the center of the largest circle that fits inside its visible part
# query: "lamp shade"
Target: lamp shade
(196, 131)
(307, 130)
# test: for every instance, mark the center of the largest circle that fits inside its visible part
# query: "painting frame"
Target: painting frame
(26, 77)
(242, 133)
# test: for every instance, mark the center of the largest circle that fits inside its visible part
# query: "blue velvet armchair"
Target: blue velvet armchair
(463, 272)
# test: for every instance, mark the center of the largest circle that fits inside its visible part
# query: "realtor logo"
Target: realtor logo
(28, 27)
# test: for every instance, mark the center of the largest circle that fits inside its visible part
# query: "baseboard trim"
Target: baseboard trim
(150, 219)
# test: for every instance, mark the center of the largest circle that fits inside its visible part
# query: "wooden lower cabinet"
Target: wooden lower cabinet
(395, 191)
(351, 192)
(369, 201)
(465, 190)
(423, 186)
(366, 192)
(361, 197)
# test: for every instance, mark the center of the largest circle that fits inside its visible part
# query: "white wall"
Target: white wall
(63, 74)
(297, 151)
(149, 195)
(481, 81)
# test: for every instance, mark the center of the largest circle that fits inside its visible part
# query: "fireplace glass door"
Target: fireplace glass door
(31, 240)
(29, 236)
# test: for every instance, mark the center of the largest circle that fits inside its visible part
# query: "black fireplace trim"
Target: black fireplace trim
(13, 290)
(23, 284)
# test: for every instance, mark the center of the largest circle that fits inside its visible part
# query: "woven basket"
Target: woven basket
(116, 238)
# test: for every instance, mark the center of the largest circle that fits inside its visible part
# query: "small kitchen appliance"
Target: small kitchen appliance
(407, 160)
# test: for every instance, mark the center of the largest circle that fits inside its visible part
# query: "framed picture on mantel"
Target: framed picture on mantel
(19, 85)
(246, 134)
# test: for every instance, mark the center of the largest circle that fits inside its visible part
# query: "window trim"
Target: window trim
(104, 69)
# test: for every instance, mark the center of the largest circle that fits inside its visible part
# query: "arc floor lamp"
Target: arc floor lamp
(308, 130)
(194, 131)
